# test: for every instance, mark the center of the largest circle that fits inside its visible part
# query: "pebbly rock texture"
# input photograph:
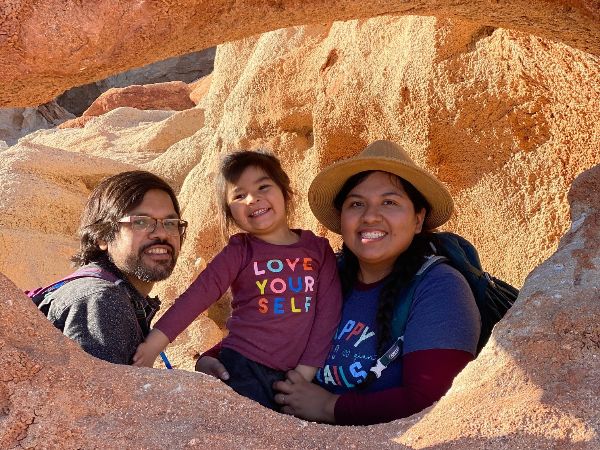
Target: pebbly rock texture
(50, 46)
(506, 120)
(43, 190)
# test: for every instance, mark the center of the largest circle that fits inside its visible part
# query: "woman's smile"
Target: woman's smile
(379, 222)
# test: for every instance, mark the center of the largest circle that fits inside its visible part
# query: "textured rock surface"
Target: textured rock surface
(186, 68)
(534, 385)
(53, 45)
(18, 122)
(507, 120)
(171, 96)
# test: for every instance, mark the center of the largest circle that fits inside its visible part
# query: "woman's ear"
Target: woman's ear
(420, 220)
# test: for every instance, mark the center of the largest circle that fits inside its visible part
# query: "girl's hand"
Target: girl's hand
(305, 400)
(212, 366)
(148, 351)
(144, 356)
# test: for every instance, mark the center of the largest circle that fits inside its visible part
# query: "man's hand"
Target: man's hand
(148, 351)
(212, 366)
(304, 399)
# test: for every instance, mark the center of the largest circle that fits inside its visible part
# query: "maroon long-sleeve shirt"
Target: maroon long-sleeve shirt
(286, 299)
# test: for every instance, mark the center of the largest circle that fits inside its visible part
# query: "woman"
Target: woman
(384, 206)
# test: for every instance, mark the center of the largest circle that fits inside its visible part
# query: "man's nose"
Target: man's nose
(159, 230)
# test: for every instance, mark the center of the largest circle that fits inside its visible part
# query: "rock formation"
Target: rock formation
(18, 122)
(507, 120)
(171, 96)
(186, 68)
(60, 44)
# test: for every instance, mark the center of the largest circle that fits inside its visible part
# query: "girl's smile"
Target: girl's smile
(258, 207)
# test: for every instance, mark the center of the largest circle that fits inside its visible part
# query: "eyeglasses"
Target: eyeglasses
(174, 227)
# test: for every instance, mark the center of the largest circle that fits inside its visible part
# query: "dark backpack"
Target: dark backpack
(41, 298)
(494, 297)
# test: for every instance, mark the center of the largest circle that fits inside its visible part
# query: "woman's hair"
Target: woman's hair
(405, 267)
(111, 200)
(232, 167)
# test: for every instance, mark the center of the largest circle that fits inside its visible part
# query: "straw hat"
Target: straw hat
(385, 156)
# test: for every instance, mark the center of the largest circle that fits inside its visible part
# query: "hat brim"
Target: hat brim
(330, 180)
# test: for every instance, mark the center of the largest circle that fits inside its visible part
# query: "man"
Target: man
(130, 227)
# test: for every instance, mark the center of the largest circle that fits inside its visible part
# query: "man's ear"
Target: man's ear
(102, 244)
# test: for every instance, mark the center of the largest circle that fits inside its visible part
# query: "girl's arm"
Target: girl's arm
(148, 351)
(206, 289)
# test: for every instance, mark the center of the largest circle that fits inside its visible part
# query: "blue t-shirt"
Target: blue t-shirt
(443, 315)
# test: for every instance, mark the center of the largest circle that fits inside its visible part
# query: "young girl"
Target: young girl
(286, 292)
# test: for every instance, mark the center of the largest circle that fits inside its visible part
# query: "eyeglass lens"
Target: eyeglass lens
(148, 224)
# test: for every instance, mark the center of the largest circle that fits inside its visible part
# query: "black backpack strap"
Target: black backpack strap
(400, 318)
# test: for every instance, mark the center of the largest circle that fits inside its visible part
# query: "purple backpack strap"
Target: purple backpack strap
(84, 272)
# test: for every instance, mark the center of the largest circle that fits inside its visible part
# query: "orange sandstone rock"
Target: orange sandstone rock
(173, 95)
(506, 120)
(53, 45)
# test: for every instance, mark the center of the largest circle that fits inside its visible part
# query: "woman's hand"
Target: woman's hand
(305, 400)
(212, 366)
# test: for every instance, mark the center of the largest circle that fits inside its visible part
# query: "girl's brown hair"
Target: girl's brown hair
(232, 167)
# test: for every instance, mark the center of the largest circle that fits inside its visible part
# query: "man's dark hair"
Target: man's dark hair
(111, 200)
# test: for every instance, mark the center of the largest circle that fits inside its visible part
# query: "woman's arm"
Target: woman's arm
(427, 375)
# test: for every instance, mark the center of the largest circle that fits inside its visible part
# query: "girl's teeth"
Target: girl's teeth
(259, 212)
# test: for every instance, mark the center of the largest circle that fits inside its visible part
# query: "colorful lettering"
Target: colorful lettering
(356, 330)
(279, 281)
(364, 336)
(294, 309)
(309, 281)
(307, 264)
(337, 378)
(327, 378)
(292, 265)
(278, 305)
(348, 384)
(349, 325)
(291, 285)
(256, 271)
(355, 370)
(307, 304)
(261, 286)
(277, 262)
(263, 305)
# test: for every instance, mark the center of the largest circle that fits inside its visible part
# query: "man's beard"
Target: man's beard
(134, 265)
